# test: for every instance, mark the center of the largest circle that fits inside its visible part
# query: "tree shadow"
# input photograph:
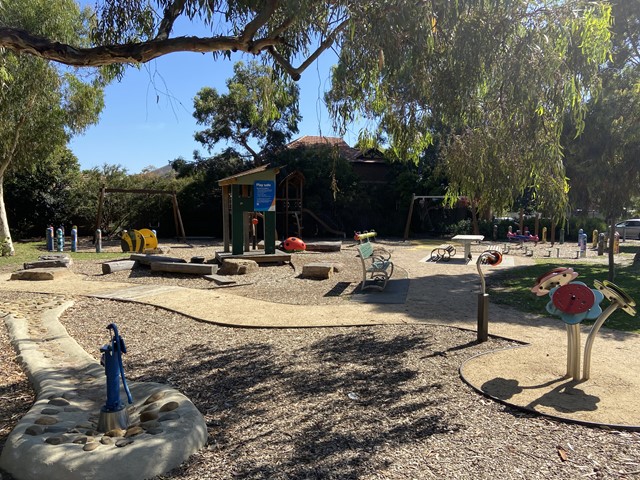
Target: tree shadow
(322, 410)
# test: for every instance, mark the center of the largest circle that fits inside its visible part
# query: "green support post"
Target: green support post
(237, 217)
(269, 232)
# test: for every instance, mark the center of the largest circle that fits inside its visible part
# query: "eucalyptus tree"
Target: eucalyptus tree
(605, 161)
(503, 69)
(41, 106)
(259, 108)
(498, 76)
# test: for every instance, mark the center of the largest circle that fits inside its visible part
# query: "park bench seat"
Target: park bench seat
(377, 267)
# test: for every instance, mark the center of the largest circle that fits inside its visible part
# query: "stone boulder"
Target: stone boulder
(41, 274)
(237, 266)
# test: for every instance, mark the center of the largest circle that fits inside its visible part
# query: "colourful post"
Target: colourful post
(601, 244)
(50, 239)
(616, 243)
(74, 239)
(582, 242)
(544, 234)
(59, 240)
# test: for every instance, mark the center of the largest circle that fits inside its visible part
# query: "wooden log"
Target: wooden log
(46, 264)
(324, 246)
(320, 271)
(190, 268)
(118, 266)
(220, 279)
(149, 259)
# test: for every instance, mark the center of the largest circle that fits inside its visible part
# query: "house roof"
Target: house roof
(315, 141)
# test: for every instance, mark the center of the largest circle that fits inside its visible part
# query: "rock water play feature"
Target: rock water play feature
(60, 437)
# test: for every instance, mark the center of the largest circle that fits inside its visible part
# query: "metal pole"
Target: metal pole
(483, 317)
(592, 336)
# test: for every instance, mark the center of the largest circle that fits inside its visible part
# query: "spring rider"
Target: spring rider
(114, 414)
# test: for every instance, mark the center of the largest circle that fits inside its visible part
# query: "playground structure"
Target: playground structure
(289, 204)
(574, 302)
(177, 217)
(294, 244)
(139, 241)
(244, 195)
(521, 237)
(366, 235)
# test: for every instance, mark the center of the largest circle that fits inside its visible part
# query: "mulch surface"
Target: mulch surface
(382, 402)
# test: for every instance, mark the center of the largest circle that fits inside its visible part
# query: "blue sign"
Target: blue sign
(264, 196)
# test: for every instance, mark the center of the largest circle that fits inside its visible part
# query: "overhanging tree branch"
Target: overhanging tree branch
(172, 12)
(260, 20)
(22, 41)
(296, 72)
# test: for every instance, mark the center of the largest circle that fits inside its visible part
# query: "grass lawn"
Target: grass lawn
(513, 287)
(30, 251)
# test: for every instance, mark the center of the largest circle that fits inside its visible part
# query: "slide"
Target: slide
(323, 224)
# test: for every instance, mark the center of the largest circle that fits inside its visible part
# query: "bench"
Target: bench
(494, 247)
(443, 252)
(377, 267)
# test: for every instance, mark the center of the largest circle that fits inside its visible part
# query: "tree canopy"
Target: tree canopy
(41, 106)
(499, 78)
(258, 107)
(499, 75)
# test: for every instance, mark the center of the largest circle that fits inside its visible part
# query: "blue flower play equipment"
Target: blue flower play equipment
(574, 302)
(114, 414)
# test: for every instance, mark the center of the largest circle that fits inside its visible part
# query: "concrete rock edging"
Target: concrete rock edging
(58, 435)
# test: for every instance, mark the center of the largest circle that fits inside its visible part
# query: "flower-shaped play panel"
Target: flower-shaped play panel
(575, 302)
(615, 294)
(552, 279)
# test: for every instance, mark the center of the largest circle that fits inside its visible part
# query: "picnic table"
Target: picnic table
(466, 240)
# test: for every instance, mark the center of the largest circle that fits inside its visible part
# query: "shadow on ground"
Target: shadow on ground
(320, 409)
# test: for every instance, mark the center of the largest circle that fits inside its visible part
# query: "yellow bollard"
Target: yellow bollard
(544, 235)
(594, 239)
(616, 243)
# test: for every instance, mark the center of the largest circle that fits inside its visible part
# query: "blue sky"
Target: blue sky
(148, 115)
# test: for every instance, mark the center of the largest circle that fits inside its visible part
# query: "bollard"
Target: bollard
(98, 241)
(594, 239)
(50, 239)
(601, 244)
(561, 236)
(616, 243)
(582, 243)
(59, 240)
(544, 234)
(114, 414)
(74, 239)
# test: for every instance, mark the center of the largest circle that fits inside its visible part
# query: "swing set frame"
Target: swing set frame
(177, 217)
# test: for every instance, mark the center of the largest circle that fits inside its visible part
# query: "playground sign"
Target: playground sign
(264, 196)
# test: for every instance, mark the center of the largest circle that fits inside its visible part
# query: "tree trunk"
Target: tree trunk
(521, 232)
(5, 234)
(612, 231)
(474, 218)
